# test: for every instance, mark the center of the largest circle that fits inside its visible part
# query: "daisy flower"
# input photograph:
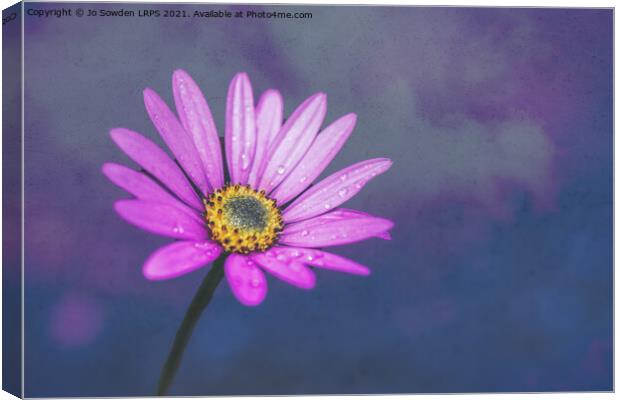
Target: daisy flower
(262, 212)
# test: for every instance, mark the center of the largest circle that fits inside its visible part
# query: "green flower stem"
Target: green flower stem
(199, 303)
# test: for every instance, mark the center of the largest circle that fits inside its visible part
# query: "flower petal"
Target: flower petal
(179, 258)
(197, 120)
(240, 129)
(156, 161)
(161, 219)
(321, 259)
(141, 186)
(176, 138)
(246, 280)
(327, 144)
(335, 189)
(290, 271)
(268, 123)
(293, 141)
(333, 229)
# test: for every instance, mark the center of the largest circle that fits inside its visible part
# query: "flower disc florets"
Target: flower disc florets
(242, 220)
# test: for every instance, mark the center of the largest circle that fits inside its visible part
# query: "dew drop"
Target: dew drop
(295, 253)
(343, 192)
(343, 177)
(281, 257)
(310, 257)
(303, 179)
(245, 162)
(178, 229)
(255, 282)
(304, 233)
(327, 206)
(281, 169)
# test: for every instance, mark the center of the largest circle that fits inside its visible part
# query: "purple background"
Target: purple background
(499, 276)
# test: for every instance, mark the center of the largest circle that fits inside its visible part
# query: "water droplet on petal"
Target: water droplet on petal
(281, 169)
(343, 177)
(343, 192)
(245, 162)
(327, 206)
(255, 283)
(295, 253)
(303, 179)
(304, 233)
(281, 257)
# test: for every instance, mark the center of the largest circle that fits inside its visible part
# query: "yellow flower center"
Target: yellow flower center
(242, 220)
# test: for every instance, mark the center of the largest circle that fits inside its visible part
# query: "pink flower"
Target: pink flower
(265, 216)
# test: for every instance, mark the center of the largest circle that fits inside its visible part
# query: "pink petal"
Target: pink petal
(197, 120)
(156, 161)
(321, 259)
(290, 271)
(335, 189)
(327, 144)
(161, 219)
(293, 141)
(268, 123)
(246, 280)
(240, 129)
(335, 228)
(339, 214)
(141, 186)
(176, 138)
(179, 258)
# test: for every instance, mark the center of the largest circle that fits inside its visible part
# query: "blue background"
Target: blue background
(499, 274)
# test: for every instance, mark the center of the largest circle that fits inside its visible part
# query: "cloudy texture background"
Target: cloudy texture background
(498, 277)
